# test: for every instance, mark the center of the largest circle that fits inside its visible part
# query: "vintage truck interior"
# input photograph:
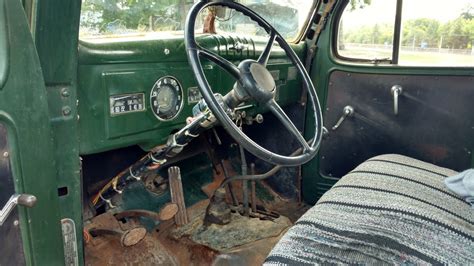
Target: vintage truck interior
(284, 132)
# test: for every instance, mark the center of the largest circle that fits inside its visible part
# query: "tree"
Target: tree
(458, 34)
(468, 12)
(131, 15)
(422, 30)
(371, 34)
(455, 34)
(469, 31)
(355, 4)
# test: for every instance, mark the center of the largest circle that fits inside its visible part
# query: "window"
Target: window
(148, 18)
(365, 32)
(430, 32)
(441, 35)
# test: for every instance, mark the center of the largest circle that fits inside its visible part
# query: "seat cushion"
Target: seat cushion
(391, 209)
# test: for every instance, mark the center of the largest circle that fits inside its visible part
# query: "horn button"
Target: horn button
(257, 81)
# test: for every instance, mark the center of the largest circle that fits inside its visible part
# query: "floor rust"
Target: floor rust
(158, 248)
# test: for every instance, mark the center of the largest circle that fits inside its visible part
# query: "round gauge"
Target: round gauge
(166, 98)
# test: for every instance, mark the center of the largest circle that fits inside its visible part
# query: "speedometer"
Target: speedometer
(166, 98)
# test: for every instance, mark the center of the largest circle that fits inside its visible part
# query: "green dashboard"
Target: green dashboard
(138, 91)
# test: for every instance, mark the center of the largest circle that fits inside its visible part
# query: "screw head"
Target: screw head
(16, 223)
(65, 92)
(6, 154)
(166, 51)
(66, 110)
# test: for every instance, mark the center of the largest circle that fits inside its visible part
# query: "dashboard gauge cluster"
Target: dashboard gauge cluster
(126, 103)
(166, 98)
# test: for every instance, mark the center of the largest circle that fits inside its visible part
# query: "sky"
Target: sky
(303, 7)
(382, 11)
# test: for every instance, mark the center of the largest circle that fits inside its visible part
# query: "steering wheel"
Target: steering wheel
(255, 82)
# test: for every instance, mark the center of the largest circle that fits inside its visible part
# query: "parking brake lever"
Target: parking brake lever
(348, 111)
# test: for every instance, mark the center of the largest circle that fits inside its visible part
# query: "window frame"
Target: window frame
(394, 62)
(306, 27)
(397, 31)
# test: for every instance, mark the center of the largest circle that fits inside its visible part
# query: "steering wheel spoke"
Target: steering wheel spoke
(221, 61)
(288, 124)
(263, 59)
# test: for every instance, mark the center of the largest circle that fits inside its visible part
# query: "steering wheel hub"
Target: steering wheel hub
(257, 81)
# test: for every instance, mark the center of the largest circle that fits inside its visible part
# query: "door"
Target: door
(396, 78)
(28, 235)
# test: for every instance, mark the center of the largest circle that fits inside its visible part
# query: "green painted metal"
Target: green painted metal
(113, 68)
(56, 35)
(56, 38)
(324, 63)
(47, 158)
(24, 109)
(196, 173)
(129, 50)
(4, 48)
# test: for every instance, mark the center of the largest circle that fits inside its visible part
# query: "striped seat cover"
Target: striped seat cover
(391, 209)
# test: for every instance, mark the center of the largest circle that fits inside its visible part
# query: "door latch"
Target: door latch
(25, 200)
(396, 91)
(348, 111)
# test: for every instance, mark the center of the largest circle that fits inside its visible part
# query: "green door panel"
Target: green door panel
(4, 48)
(56, 33)
(24, 111)
(121, 68)
(324, 64)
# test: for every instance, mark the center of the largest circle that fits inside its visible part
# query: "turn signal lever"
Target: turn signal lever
(25, 200)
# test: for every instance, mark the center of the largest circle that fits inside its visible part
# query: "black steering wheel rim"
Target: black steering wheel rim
(194, 52)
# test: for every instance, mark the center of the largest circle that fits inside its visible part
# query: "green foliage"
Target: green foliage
(355, 4)
(458, 34)
(376, 34)
(132, 15)
(103, 17)
(422, 32)
(468, 12)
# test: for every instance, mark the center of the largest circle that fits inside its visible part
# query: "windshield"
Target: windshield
(150, 18)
